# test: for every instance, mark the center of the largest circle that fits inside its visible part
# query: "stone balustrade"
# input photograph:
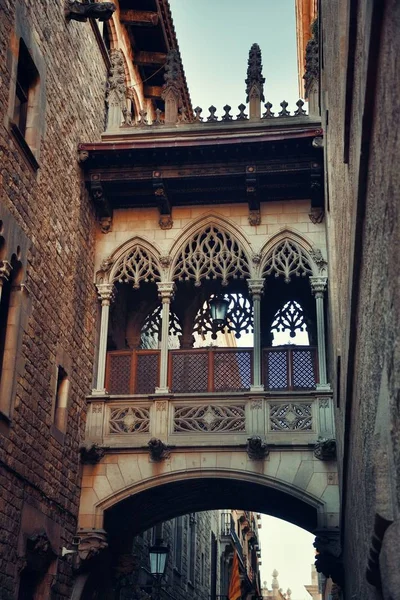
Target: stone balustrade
(217, 420)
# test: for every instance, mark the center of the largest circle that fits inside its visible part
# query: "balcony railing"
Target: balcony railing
(210, 370)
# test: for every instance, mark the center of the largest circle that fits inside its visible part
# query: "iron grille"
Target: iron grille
(146, 373)
(119, 373)
(303, 369)
(232, 371)
(189, 372)
(276, 369)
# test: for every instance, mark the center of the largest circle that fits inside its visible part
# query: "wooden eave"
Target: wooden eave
(201, 164)
(149, 41)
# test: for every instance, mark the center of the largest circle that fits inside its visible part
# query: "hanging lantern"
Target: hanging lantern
(158, 559)
(218, 309)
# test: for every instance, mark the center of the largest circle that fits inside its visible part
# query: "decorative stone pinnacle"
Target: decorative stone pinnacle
(255, 81)
(172, 76)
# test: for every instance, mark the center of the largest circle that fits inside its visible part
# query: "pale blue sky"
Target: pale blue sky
(215, 37)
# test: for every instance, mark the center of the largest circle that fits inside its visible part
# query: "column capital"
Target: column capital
(166, 290)
(5, 271)
(318, 285)
(256, 286)
(106, 293)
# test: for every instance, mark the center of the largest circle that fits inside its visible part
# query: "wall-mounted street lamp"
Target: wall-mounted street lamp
(158, 564)
(218, 309)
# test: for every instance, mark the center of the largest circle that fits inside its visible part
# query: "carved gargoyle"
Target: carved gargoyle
(91, 546)
(87, 9)
(91, 454)
(328, 559)
(158, 450)
(257, 449)
(325, 449)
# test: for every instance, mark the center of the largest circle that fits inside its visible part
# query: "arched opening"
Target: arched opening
(192, 517)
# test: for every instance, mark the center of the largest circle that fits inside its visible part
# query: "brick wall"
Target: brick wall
(39, 471)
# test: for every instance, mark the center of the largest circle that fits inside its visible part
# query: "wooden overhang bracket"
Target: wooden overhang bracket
(139, 18)
(86, 9)
(102, 205)
(163, 203)
(252, 195)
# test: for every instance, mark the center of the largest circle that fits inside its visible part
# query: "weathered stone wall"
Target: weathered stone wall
(363, 253)
(177, 581)
(39, 470)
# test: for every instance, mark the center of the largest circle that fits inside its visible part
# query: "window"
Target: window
(10, 318)
(26, 97)
(61, 400)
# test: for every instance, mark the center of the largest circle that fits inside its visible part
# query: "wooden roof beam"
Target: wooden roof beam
(152, 91)
(141, 18)
(143, 59)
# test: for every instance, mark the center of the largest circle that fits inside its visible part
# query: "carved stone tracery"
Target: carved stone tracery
(211, 254)
(287, 259)
(239, 318)
(209, 419)
(152, 327)
(289, 317)
(291, 416)
(136, 266)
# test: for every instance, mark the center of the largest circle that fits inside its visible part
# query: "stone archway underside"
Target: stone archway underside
(127, 491)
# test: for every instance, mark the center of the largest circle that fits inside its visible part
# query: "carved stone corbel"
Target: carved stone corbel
(257, 448)
(100, 200)
(91, 544)
(86, 9)
(316, 214)
(91, 454)
(158, 450)
(328, 559)
(325, 449)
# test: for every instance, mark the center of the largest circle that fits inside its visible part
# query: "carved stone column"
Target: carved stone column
(318, 287)
(165, 292)
(106, 294)
(256, 288)
(255, 82)
(5, 273)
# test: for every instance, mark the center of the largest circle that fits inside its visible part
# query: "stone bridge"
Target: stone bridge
(158, 458)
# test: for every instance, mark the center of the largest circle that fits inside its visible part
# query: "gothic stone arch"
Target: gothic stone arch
(212, 248)
(296, 474)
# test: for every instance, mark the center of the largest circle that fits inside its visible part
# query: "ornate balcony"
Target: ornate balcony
(211, 370)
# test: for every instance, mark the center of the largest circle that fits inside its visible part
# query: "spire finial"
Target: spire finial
(254, 73)
(172, 88)
(255, 82)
